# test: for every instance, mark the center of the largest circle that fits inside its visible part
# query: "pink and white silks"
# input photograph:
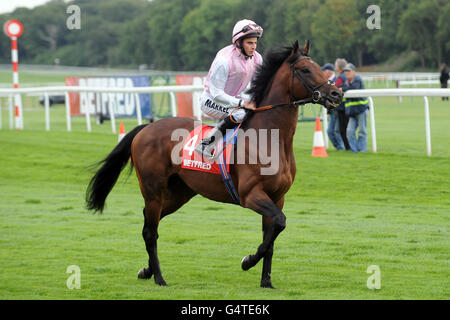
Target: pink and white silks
(228, 78)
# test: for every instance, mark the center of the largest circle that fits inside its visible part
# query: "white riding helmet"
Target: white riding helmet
(246, 28)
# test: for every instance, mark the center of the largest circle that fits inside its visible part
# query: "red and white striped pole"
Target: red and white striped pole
(14, 29)
(15, 65)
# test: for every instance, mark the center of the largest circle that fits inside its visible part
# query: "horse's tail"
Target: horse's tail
(105, 178)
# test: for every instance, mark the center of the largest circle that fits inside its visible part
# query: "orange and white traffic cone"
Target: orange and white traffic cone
(318, 145)
(17, 118)
(122, 132)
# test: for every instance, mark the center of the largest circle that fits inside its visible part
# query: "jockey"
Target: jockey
(231, 71)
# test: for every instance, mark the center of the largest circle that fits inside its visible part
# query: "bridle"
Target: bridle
(316, 95)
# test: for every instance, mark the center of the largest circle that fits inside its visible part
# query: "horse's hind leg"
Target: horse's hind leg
(175, 196)
(152, 215)
(145, 273)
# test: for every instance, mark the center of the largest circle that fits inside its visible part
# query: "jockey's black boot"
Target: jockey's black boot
(206, 146)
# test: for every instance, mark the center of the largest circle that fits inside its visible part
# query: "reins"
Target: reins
(316, 96)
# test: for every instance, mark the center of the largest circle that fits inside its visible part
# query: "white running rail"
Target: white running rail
(369, 93)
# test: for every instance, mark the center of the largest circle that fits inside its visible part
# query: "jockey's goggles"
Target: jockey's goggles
(249, 27)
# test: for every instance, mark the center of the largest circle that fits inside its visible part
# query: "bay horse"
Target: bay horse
(287, 78)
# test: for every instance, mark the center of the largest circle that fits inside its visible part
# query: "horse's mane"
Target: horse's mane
(264, 74)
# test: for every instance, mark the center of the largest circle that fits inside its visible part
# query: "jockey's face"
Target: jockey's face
(249, 45)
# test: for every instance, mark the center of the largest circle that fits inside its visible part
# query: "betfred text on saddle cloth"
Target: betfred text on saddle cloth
(221, 165)
(192, 160)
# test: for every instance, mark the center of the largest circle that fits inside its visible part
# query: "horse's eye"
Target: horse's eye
(305, 70)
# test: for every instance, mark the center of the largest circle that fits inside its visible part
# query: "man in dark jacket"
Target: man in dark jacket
(333, 125)
(340, 130)
(356, 109)
(444, 78)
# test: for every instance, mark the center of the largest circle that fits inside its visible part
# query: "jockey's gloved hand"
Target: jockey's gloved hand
(250, 105)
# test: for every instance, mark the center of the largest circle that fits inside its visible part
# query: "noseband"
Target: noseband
(316, 95)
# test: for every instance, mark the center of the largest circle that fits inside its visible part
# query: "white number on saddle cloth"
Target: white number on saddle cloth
(190, 145)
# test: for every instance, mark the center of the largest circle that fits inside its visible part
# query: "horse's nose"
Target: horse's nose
(336, 94)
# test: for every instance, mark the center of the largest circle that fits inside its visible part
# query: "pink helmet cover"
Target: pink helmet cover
(245, 27)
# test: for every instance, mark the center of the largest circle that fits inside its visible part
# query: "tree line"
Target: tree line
(185, 35)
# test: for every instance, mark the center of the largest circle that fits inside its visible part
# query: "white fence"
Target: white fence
(66, 89)
(196, 88)
(425, 93)
(393, 76)
(405, 78)
(420, 82)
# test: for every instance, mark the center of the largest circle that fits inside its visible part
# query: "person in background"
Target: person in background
(333, 126)
(356, 109)
(444, 78)
(328, 69)
(339, 134)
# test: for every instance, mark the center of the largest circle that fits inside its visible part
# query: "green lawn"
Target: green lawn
(344, 214)
(32, 77)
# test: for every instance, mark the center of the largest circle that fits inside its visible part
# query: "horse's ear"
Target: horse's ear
(295, 47)
(306, 47)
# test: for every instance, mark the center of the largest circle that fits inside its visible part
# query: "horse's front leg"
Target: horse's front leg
(261, 203)
(266, 281)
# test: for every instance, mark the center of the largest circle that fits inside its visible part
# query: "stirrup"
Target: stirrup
(204, 149)
(209, 155)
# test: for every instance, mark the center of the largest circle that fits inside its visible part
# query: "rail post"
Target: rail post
(372, 125)
(47, 111)
(68, 120)
(427, 126)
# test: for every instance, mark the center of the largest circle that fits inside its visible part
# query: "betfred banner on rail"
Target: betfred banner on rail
(122, 104)
(188, 102)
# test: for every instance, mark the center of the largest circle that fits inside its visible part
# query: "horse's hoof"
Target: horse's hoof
(161, 283)
(245, 263)
(145, 274)
(267, 284)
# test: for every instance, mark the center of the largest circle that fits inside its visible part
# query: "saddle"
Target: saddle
(191, 160)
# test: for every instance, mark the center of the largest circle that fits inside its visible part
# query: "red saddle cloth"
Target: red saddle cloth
(194, 161)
